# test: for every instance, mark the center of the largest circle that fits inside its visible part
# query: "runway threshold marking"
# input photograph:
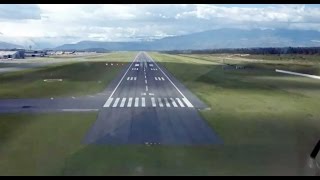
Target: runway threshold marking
(153, 102)
(187, 102)
(167, 102)
(129, 102)
(123, 102)
(143, 102)
(116, 102)
(107, 104)
(181, 104)
(136, 102)
(184, 97)
(135, 59)
(173, 102)
(160, 102)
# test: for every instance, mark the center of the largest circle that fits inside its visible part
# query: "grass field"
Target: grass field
(256, 110)
(269, 123)
(84, 76)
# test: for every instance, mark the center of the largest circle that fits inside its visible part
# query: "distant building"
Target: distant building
(11, 55)
(34, 53)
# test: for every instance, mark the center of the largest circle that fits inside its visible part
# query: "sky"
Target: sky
(56, 24)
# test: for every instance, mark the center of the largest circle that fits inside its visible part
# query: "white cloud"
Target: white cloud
(61, 23)
(317, 41)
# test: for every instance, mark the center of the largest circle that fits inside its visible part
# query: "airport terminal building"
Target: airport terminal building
(11, 55)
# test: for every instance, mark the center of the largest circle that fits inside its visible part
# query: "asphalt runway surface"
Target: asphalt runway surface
(144, 104)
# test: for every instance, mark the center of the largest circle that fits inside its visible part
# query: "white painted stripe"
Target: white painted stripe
(115, 104)
(135, 78)
(145, 76)
(128, 78)
(298, 74)
(131, 78)
(123, 102)
(146, 88)
(162, 78)
(143, 94)
(107, 104)
(181, 104)
(173, 102)
(168, 79)
(124, 76)
(129, 102)
(187, 102)
(156, 78)
(153, 102)
(146, 81)
(167, 102)
(151, 94)
(143, 102)
(136, 102)
(160, 102)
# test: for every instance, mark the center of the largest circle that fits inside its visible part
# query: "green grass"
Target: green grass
(269, 123)
(79, 78)
(39, 144)
(256, 108)
(50, 144)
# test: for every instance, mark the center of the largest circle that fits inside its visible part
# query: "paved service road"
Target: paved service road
(148, 106)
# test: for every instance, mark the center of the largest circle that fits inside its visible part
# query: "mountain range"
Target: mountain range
(213, 39)
(5, 45)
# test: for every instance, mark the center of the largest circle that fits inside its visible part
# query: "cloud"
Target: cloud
(317, 41)
(67, 23)
(19, 11)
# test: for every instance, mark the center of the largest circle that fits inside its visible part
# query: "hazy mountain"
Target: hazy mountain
(5, 45)
(221, 38)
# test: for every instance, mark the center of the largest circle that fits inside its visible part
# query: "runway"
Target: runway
(144, 104)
